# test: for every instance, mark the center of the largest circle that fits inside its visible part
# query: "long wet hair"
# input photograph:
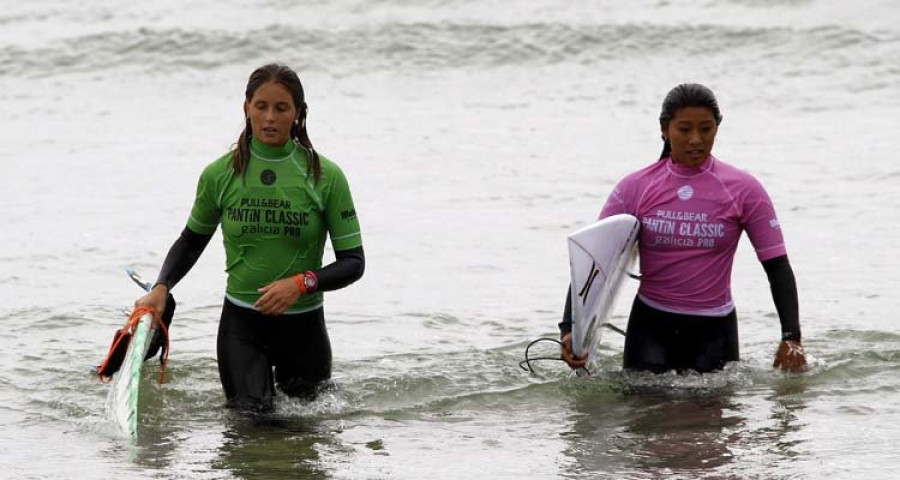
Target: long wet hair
(683, 96)
(282, 75)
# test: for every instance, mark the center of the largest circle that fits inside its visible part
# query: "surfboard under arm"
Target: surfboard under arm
(600, 256)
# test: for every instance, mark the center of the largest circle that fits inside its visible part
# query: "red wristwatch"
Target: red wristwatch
(311, 281)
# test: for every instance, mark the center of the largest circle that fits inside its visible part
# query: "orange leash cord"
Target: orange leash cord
(130, 326)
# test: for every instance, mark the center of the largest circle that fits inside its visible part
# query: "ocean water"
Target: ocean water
(475, 136)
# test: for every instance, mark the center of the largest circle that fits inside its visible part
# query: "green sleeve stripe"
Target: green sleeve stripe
(198, 222)
(203, 225)
(349, 235)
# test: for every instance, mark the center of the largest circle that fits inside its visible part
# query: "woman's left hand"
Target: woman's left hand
(277, 296)
(790, 357)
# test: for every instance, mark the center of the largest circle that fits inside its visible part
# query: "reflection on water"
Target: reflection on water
(681, 434)
(636, 430)
(273, 447)
(184, 429)
(785, 430)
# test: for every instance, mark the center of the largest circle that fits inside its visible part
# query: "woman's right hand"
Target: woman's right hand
(569, 357)
(155, 299)
(790, 357)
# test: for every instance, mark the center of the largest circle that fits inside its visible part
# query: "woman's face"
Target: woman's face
(691, 132)
(272, 114)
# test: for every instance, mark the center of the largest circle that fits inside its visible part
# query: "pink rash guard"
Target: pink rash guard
(691, 221)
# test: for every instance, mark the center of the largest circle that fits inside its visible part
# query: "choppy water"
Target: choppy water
(475, 136)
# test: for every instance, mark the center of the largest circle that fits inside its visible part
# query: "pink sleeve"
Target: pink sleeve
(759, 220)
(621, 200)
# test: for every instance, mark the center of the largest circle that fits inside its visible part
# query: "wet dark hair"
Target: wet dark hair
(282, 75)
(683, 96)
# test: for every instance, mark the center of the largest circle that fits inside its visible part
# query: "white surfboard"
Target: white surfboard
(600, 256)
(122, 400)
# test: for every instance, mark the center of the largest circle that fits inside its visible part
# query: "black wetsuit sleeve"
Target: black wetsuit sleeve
(347, 268)
(565, 326)
(784, 293)
(182, 256)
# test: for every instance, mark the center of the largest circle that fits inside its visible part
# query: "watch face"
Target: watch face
(310, 281)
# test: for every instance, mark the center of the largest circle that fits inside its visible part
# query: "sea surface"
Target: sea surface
(475, 135)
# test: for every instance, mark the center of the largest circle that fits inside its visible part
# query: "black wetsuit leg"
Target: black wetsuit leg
(301, 354)
(660, 341)
(250, 345)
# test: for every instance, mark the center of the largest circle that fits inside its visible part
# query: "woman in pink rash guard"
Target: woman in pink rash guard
(693, 208)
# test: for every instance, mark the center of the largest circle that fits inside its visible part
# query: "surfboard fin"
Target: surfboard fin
(115, 356)
(159, 342)
(137, 279)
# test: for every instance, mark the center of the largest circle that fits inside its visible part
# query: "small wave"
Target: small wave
(412, 47)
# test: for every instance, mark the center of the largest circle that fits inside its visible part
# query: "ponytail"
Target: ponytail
(301, 137)
(667, 148)
(241, 156)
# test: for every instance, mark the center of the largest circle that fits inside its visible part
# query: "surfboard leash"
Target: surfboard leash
(115, 355)
(526, 364)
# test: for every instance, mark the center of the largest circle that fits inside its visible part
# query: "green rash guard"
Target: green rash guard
(274, 219)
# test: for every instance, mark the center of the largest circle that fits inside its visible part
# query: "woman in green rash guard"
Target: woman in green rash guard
(275, 198)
